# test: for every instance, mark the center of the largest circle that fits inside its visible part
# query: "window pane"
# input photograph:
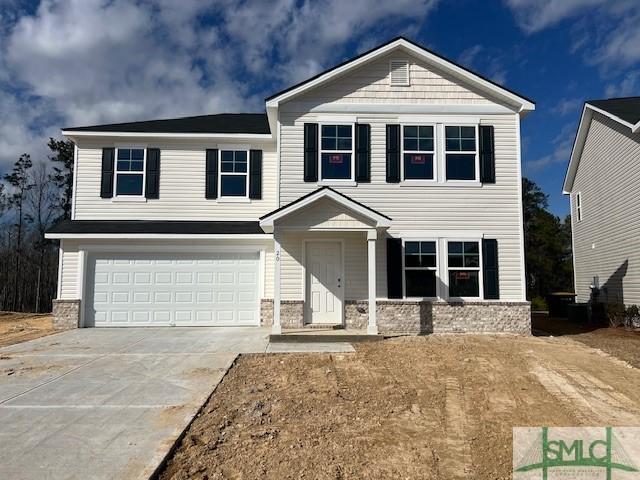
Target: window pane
(233, 185)
(468, 145)
(344, 131)
(336, 165)
(124, 154)
(452, 132)
(240, 155)
(328, 130)
(410, 131)
(418, 166)
(463, 283)
(412, 260)
(471, 247)
(227, 156)
(137, 154)
(411, 247)
(468, 132)
(428, 247)
(453, 145)
(344, 144)
(129, 185)
(456, 260)
(410, 143)
(227, 166)
(420, 283)
(241, 167)
(455, 247)
(124, 165)
(472, 260)
(329, 144)
(137, 165)
(461, 167)
(426, 145)
(426, 132)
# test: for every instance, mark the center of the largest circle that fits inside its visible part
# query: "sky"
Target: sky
(81, 62)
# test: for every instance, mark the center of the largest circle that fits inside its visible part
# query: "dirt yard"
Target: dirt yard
(20, 327)
(621, 343)
(436, 407)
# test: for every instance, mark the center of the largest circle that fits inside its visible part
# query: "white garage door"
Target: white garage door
(171, 289)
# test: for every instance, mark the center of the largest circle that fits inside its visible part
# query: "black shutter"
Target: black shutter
(310, 152)
(152, 187)
(106, 179)
(363, 152)
(393, 153)
(490, 269)
(211, 178)
(487, 155)
(255, 174)
(394, 268)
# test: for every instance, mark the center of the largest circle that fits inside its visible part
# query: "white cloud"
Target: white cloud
(78, 62)
(608, 29)
(489, 62)
(567, 106)
(627, 87)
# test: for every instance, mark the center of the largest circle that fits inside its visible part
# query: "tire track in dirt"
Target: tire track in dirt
(592, 400)
(457, 463)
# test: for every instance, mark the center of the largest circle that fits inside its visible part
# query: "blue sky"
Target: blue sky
(78, 62)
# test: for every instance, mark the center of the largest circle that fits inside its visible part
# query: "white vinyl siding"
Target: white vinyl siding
(182, 186)
(606, 241)
(370, 84)
(491, 209)
(70, 265)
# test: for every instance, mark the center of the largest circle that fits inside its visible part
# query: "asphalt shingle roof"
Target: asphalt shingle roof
(627, 109)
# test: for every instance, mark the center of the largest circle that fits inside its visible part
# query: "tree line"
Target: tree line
(33, 197)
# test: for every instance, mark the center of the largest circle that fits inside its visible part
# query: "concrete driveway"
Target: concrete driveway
(108, 403)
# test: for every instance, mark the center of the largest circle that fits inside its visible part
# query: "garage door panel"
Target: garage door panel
(171, 289)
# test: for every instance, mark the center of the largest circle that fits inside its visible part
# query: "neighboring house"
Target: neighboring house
(603, 181)
(389, 181)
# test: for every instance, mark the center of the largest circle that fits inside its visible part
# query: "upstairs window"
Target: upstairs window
(420, 266)
(336, 152)
(418, 148)
(130, 171)
(463, 262)
(461, 152)
(578, 207)
(233, 173)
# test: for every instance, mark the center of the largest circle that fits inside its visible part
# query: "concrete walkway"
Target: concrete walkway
(108, 403)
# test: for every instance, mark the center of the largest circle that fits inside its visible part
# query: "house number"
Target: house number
(277, 255)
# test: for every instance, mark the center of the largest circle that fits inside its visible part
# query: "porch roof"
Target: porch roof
(378, 219)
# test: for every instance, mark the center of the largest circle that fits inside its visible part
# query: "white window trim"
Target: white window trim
(435, 269)
(578, 201)
(476, 180)
(479, 269)
(135, 198)
(419, 181)
(338, 181)
(233, 198)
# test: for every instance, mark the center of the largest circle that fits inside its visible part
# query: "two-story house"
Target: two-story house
(602, 182)
(383, 194)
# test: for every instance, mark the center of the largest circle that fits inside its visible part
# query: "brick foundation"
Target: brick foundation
(266, 312)
(292, 314)
(356, 314)
(66, 314)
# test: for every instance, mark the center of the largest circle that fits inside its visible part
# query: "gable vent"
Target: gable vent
(399, 72)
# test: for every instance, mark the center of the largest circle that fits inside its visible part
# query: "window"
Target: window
(461, 152)
(336, 152)
(420, 266)
(464, 269)
(418, 149)
(130, 171)
(233, 173)
(579, 207)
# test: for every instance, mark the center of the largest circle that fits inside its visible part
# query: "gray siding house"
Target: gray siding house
(603, 184)
(383, 194)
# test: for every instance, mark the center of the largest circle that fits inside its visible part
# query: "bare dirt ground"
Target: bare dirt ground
(20, 327)
(621, 343)
(436, 407)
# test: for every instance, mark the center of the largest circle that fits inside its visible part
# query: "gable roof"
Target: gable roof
(426, 54)
(223, 123)
(266, 221)
(625, 111)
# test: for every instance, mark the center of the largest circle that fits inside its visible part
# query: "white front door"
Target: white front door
(324, 283)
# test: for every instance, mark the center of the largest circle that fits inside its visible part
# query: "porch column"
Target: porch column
(276, 329)
(372, 327)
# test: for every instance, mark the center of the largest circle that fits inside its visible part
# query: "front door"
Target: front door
(324, 283)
